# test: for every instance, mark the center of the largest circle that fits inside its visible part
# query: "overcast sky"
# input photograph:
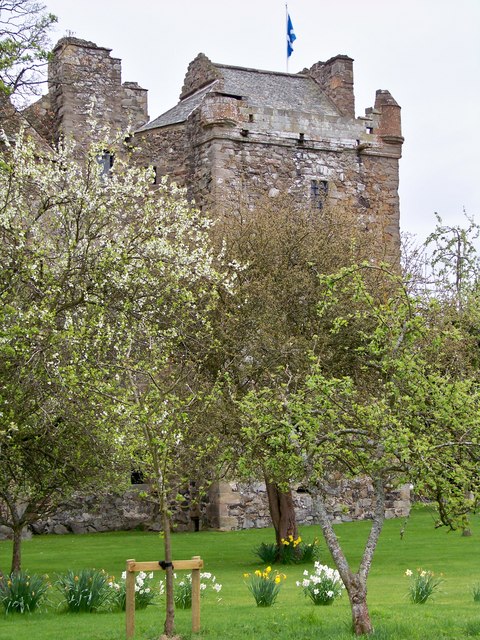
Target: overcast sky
(425, 52)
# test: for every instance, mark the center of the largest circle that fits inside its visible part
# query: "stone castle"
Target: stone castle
(242, 131)
(239, 131)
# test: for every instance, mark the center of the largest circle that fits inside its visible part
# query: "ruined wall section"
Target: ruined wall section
(85, 80)
(166, 149)
(200, 72)
(335, 77)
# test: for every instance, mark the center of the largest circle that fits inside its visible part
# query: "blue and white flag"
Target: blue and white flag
(291, 37)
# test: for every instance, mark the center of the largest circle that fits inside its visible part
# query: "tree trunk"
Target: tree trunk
(169, 626)
(355, 583)
(17, 549)
(357, 594)
(282, 513)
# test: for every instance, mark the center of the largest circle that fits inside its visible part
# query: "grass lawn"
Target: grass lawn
(452, 614)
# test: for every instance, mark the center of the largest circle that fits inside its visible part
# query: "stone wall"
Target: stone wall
(133, 509)
(234, 505)
(85, 81)
(229, 506)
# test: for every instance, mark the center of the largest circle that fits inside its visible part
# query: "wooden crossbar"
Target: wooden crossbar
(178, 565)
(195, 564)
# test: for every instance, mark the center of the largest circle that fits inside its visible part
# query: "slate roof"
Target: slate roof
(295, 92)
(180, 112)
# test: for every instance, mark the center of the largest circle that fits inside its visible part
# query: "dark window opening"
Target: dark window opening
(302, 489)
(301, 138)
(318, 193)
(154, 174)
(106, 161)
(369, 130)
(250, 117)
(229, 95)
(136, 477)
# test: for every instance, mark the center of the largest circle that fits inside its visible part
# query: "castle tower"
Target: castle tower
(84, 80)
(238, 131)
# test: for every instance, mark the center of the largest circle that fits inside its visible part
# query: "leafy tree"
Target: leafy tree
(52, 224)
(24, 45)
(266, 331)
(454, 260)
(411, 416)
(167, 335)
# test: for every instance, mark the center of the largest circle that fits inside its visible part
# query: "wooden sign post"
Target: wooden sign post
(195, 564)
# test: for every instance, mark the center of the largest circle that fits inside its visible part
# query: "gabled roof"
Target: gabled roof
(180, 112)
(294, 92)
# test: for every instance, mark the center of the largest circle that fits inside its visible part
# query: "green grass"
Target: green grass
(451, 615)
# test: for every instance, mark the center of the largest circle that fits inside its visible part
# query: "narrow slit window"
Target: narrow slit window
(318, 193)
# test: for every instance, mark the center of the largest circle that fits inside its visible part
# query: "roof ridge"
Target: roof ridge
(266, 71)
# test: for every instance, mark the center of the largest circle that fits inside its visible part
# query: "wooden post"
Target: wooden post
(194, 565)
(130, 599)
(195, 598)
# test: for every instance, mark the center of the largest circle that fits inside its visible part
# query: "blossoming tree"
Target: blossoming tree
(106, 285)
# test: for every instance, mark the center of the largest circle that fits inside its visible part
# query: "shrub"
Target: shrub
(323, 585)
(267, 552)
(291, 551)
(86, 590)
(476, 592)
(423, 583)
(264, 586)
(183, 589)
(145, 592)
(21, 592)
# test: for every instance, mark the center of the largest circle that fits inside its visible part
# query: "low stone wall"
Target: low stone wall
(108, 512)
(229, 506)
(234, 505)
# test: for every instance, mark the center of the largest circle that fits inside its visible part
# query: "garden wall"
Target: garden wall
(233, 505)
(229, 506)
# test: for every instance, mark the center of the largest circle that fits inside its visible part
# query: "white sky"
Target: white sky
(425, 52)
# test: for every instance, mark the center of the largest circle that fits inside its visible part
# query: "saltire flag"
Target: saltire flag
(291, 37)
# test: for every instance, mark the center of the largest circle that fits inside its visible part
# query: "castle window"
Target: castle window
(154, 174)
(106, 161)
(250, 117)
(369, 130)
(136, 477)
(318, 193)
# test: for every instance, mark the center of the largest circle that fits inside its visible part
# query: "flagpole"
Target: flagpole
(286, 31)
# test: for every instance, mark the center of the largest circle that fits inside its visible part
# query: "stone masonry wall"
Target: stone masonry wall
(84, 80)
(229, 506)
(232, 151)
(363, 185)
(165, 149)
(132, 509)
(236, 505)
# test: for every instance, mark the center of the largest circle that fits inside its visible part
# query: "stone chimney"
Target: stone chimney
(389, 121)
(335, 77)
